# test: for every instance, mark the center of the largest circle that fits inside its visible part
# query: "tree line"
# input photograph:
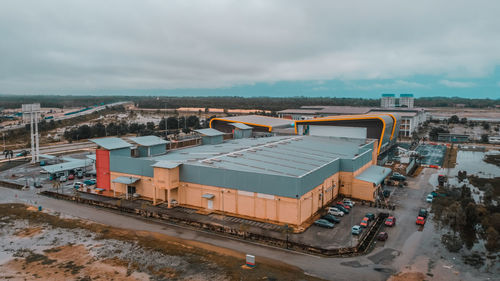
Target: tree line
(261, 103)
(167, 126)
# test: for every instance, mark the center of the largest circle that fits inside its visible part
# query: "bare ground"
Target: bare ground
(39, 246)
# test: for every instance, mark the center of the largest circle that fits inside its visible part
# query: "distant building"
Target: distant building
(455, 138)
(388, 101)
(411, 118)
(406, 100)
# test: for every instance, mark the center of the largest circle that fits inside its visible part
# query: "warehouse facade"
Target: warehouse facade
(279, 179)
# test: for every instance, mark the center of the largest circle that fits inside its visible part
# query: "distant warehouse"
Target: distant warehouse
(280, 179)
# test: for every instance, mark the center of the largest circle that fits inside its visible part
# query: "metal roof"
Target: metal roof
(111, 143)
(126, 180)
(260, 120)
(241, 126)
(148, 140)
(374, 174)
(73, 164)
(166, 164)
(209, 132)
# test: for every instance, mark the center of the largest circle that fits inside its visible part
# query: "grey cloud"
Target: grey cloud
(76, 45)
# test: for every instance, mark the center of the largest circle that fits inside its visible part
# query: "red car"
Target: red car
(382, 236)
(420, 220)
(344, 205)
(364, 222)
(390, 221)
(71, 177)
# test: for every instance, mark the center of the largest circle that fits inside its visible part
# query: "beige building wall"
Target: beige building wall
(364, 190)
(264, 207)
(144, 186)
(347, 184)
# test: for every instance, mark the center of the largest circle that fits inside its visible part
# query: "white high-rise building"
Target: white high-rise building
(388, 101)
(406, 100)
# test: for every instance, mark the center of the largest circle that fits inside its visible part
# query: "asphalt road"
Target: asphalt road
(408, 247)
(57, 148)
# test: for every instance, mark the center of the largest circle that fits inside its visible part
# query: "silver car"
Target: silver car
(336, 212)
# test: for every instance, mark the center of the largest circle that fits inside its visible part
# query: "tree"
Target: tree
(486, 125)
(172, 123)
(463, 120)
(485, 138)
(162, 123)
(150, 126)
(453, 119)
(193, 121)
(433, 134)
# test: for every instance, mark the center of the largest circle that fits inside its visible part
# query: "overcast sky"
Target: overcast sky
(336, 48)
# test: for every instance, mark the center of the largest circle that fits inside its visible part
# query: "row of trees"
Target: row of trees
(265, 103)
(171, 125)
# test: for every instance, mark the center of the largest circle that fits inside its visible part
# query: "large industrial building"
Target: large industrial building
(278, 179)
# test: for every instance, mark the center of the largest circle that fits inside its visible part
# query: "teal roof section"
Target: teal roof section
(406, 95)
(374, 174)
(388, 95)
(166, 164)
(148, 140)
(209, 132)
(111, 143)
(126, 180)
(66, 166)
(241, 126)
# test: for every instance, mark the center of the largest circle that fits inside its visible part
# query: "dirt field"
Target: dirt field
(39, 246)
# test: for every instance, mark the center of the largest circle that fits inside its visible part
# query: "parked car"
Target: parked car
(356, 230)
(37, 184)
(390, 221)
(397, 177)
(364, 222)
(331, 218)
(370, 216)
(324, 223)
(335, 211)
(43, 163)
(340, 207)
(382, 236)
(71, 177)
(422, 213)
(79, 174)
(78, 184)
(348, 202)
(63, 179)
(429, 198)
(420, 220)
(22, 153)
(89, 182)
(386, 193)
(344, 205)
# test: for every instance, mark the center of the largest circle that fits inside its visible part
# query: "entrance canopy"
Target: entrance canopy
(126, 180)
(374, 174)
(208, 196)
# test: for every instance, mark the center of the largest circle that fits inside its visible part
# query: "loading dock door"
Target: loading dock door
(210, 204)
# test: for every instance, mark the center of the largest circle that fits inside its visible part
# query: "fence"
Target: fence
(362, 246)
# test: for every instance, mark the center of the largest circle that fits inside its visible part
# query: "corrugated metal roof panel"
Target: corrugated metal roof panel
(209, 132)
(374, 174)
(240, 126)
(166, 164)
(261, 120)
(126, 180)
(148, 140)
(111, 143)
